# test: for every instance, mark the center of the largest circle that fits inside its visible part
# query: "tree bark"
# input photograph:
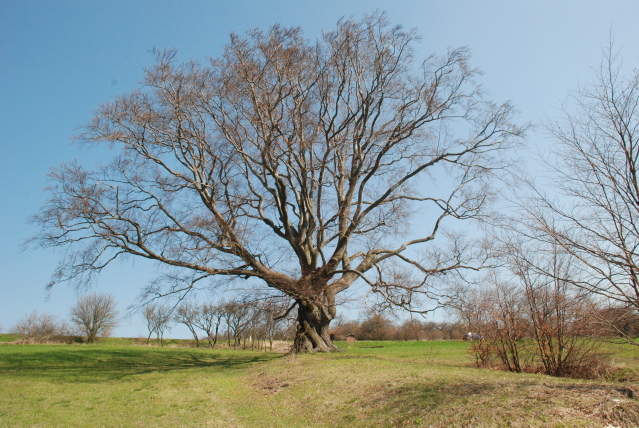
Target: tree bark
(313, 320)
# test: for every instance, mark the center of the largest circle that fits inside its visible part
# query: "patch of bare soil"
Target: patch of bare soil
(269, 384)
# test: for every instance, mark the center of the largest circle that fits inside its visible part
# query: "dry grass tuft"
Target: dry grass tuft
(269, 384)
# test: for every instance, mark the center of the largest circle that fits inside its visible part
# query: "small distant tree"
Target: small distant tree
(209, 318)
(376, 326)
(158, 320)
(41, 327)
(411, 329)
(95, 315)
(238, 319)
(431, 330)
(188, 314)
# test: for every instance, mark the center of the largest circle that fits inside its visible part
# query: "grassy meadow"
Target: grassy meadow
(372, 384)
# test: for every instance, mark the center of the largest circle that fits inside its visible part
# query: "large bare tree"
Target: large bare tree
(302, 165)
(595, 217)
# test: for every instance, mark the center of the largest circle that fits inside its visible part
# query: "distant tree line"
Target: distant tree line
(92, 316)
(238, 324)
(378, 326)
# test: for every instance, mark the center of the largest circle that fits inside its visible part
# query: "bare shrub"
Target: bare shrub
(528, 318)
(37, 328)
(561, 315)
(508, 325)
(473, 307)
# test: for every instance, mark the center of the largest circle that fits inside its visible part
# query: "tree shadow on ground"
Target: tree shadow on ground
(78, 364)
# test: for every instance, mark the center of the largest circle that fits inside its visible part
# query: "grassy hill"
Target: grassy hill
(372, 384)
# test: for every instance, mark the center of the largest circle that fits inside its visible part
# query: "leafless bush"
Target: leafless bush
(561, 315)
(95, 315)
(44, 327)
(188, 314)
(474, 309)
(508, 325)
(531, 318)
(526, 316)
(619, 323)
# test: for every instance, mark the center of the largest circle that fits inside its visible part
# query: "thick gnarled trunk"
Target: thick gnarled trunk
(312, 335)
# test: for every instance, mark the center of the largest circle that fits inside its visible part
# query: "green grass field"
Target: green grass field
(371, 384)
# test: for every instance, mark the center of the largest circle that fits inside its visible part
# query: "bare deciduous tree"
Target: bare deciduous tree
(187, 314)
(595, 217)
(95, 315)
(299, 165)
(158, 320)
(238, 319)
(375, 326)
(209, 318)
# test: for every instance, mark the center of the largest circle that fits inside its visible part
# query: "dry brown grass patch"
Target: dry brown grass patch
(269, 384)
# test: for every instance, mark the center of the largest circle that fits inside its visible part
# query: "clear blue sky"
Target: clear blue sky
(60, 59)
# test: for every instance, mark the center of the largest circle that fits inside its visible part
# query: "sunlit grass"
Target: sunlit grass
(371, 384)
(5, 337)
(120, 386)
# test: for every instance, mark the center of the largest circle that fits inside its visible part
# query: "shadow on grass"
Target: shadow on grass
(96, 364)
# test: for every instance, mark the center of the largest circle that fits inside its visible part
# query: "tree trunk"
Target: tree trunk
(194, 333)
(312, 333)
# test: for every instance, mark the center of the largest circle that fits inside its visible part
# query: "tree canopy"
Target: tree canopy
(95, 315)
(300, 164)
